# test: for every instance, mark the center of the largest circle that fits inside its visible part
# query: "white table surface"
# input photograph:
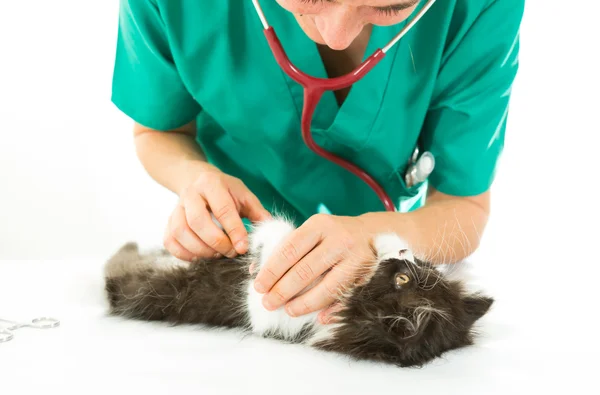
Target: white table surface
(521, 350)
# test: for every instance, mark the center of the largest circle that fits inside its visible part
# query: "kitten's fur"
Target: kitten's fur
(406, 325)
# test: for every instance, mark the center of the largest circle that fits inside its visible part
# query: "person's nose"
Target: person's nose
(339, 26)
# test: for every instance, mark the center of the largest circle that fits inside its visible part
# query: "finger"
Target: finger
(329, 315)
(253, 209)
(302, 274)
(226, 213)
(323, 295)
(177, 250)
(201, 222)
(293, 248)
(182, 233)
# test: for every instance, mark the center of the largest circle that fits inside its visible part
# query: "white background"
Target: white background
(72, 190)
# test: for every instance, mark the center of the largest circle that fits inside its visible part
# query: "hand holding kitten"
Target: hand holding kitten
(337, 247)
(191, 232)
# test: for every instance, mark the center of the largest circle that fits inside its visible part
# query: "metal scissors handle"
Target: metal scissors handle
(6, 333)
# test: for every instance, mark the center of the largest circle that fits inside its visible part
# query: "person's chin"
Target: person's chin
(313, 34)
(317, 39)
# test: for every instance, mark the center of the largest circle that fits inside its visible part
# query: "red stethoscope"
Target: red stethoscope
(315, 87)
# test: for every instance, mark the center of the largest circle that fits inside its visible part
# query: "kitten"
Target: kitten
(404, 311)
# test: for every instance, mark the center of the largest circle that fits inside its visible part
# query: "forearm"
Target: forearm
(446, 230)
(173, 159)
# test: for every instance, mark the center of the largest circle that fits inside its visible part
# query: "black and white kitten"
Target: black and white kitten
(405, 311)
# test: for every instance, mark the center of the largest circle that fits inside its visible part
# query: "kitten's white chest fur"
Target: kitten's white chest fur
(265, 238)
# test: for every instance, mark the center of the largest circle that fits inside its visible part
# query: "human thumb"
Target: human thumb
(254, 210)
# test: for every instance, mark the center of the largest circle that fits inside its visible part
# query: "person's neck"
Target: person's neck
(338, 63)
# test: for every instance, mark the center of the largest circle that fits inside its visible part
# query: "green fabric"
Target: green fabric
(445, 86)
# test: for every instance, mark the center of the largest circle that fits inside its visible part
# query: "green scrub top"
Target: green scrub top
(444, 87)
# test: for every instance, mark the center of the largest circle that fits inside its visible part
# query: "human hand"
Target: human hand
(340, 245)
(191, 232)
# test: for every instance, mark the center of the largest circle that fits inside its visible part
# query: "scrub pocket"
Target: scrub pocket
(406, 199)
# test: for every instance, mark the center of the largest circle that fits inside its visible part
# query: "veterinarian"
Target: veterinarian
(218, 123)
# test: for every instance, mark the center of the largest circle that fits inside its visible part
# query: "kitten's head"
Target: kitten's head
(407, 313)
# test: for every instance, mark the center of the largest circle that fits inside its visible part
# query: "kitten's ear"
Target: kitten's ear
(128, 249)
(121, 262)
(476, 306)
(391, 246)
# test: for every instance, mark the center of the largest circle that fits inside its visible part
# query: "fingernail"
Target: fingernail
(259, 287)
(267, 304)
(217, 255)
(231, 253)
(290, 312)
(241, 247)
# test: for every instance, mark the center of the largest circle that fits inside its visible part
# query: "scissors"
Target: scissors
(6, 334)
(315, 87)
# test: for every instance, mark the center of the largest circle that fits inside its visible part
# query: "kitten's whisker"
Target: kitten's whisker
(465, 242)
(413, 271)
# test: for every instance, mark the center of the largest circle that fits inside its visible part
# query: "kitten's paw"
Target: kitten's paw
(392, 246)
(267, 235)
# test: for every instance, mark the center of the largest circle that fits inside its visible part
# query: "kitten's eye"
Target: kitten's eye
(401, 279)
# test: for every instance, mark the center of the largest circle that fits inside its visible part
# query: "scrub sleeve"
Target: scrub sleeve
(466, 122)
(146, 83)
